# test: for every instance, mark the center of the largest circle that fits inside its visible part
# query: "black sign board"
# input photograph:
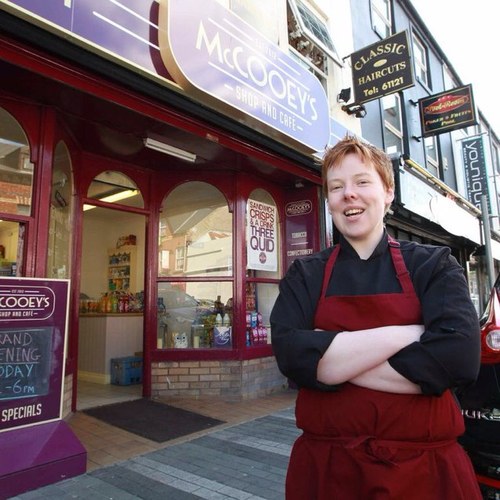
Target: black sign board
(447, 111)
(382, 68)
(25, 362)
(475, 170)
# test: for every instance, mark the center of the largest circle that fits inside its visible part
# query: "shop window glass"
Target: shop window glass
(16, 169)
(196, 232)
(195, 315)
(61, 201)
(114, 187)
(262, 285)
(260, 301)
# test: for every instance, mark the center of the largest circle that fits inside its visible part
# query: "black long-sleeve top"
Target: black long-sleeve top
(448, 353)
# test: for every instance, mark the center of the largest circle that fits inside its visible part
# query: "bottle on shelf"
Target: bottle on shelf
(114, 303)
(218, 319)
(218, 306)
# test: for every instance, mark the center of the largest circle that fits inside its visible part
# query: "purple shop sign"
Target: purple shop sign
(33, 323)
(300, 227)
(209, 51)
(216, 56)
(127, 30)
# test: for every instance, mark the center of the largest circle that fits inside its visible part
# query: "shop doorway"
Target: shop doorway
(11, 247)
(111, 325)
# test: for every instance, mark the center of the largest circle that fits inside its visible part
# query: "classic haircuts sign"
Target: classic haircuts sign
(262, 248)
(382, 68)
(447, 111)
(33, 318)
(475, 169)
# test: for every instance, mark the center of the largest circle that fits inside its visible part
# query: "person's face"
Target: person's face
(357, 199)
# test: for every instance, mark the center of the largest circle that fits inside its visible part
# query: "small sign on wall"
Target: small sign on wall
(447, 111)
(382, 68)
(262, 251)
(475, 170)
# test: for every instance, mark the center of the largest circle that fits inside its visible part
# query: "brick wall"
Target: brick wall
(67, 394)
(231, 379)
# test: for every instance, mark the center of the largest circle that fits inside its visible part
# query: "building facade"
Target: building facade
(163, 158)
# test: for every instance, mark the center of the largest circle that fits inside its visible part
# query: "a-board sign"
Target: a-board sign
(33, 324)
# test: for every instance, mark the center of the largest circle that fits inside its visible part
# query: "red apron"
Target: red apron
(363, 444)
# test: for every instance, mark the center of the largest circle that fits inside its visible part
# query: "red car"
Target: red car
(481, 403)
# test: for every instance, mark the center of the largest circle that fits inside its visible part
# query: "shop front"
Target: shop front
(428, 211)
(173, 220)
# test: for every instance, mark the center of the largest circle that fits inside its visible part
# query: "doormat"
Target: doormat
(155, 421)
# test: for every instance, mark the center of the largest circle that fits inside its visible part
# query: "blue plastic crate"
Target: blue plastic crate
(126, 371)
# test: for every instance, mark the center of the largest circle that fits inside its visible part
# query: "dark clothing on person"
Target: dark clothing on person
(448, 354)
(360, 443)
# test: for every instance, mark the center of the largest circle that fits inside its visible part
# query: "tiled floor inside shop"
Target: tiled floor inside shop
(106, 444)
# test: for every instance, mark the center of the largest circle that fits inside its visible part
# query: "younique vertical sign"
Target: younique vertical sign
(475, 170)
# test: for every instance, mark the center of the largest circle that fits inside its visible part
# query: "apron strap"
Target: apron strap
(400, 266)
(397, 259)
(329, 268)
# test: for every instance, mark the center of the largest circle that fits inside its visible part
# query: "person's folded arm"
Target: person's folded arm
(448, 354)
(352, 353)
(296, 345)
(384, 378)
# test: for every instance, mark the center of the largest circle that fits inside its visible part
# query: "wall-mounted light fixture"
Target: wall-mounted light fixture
(163, 147)
(345, 95)
(358, 110)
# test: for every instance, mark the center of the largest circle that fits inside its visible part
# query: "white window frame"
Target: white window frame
(180, 257)
(420, 59)
(432, 162)
(381, 18)
(389, 127)
(326, 44)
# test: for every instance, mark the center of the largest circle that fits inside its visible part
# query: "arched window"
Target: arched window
(196, 232)
(114, 187)
(61, 205)
(16, 169)
(195, 246)
(16, 186)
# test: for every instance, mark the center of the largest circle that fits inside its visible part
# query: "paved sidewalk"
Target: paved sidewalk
(247, 461)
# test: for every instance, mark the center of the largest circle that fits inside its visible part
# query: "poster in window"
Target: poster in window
(262, 252)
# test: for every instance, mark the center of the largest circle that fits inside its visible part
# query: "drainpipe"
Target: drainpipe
(485, 216)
